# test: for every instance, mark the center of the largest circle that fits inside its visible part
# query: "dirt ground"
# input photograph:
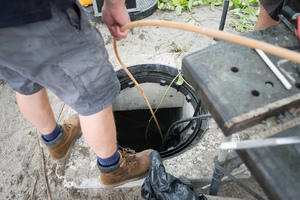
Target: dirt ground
(21, 170)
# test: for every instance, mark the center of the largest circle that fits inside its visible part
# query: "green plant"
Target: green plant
(180, 81)
(186, 5)
(244, 12)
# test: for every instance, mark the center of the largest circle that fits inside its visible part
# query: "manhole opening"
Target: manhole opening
(132, 114)
(131, 128)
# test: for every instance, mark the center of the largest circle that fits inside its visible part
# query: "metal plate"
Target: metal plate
(236, 85)
(276, 168)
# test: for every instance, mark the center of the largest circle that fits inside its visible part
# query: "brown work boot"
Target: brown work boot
(131, 167)
(60, 148)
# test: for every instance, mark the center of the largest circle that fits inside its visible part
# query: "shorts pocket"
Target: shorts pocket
(90, 71)
(74, 15)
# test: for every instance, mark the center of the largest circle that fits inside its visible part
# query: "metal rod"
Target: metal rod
(245, 187)
(224, 14)
(222, 154)
(217, 174)
(245, 144)
(274, 69)
(216, 180)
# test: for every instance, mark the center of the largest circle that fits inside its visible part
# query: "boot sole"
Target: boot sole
(123, 182)
(64, 159)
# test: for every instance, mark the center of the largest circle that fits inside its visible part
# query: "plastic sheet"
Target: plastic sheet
(160, 185)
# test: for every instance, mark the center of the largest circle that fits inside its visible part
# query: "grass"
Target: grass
(243, 12)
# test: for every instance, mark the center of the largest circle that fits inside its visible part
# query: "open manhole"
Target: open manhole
(132, 114)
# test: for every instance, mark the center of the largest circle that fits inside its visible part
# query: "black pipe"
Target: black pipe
(245, 187)
(224, 14)
(197, 110)
(191, 122)
(216, 181)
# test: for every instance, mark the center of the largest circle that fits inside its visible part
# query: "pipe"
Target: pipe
(224, 14)
(217, 174)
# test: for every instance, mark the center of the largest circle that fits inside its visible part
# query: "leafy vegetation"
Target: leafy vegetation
(244, 12)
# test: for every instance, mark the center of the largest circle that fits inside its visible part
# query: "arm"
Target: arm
(115, 15)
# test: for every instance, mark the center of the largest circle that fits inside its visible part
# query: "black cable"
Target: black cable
(197, 110)
(179, 122)
(194, 115)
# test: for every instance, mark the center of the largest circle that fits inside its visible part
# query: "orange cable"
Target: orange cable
(238, 39)
(138, 86)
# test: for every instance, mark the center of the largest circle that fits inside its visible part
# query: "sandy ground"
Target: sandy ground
(21, 171)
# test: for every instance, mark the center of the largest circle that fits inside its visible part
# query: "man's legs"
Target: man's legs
(264, 20)
(58, 138)
(99, 129)
(86, 87)
(99, 132)
(36, 109)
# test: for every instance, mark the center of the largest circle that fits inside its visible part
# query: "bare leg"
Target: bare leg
(99, 131)
(264, 20)
(37, 110)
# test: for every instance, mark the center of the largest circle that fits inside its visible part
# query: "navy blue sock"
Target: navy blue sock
(114, 159)
(53, 134)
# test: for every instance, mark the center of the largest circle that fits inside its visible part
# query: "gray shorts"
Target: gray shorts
(65, 54)
(273, 7)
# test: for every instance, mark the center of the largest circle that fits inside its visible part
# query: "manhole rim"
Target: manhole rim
(158, 70)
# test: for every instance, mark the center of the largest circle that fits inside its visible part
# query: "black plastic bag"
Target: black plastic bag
(160, 185)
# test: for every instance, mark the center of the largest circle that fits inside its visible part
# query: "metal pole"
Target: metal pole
(217, 174)
(224, 14)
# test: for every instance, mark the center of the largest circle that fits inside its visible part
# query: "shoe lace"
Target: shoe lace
(68, 127)
(129, 156)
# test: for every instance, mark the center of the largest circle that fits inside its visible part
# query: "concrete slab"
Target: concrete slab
(81, 171)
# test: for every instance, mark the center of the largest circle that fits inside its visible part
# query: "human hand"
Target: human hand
(114, 16)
